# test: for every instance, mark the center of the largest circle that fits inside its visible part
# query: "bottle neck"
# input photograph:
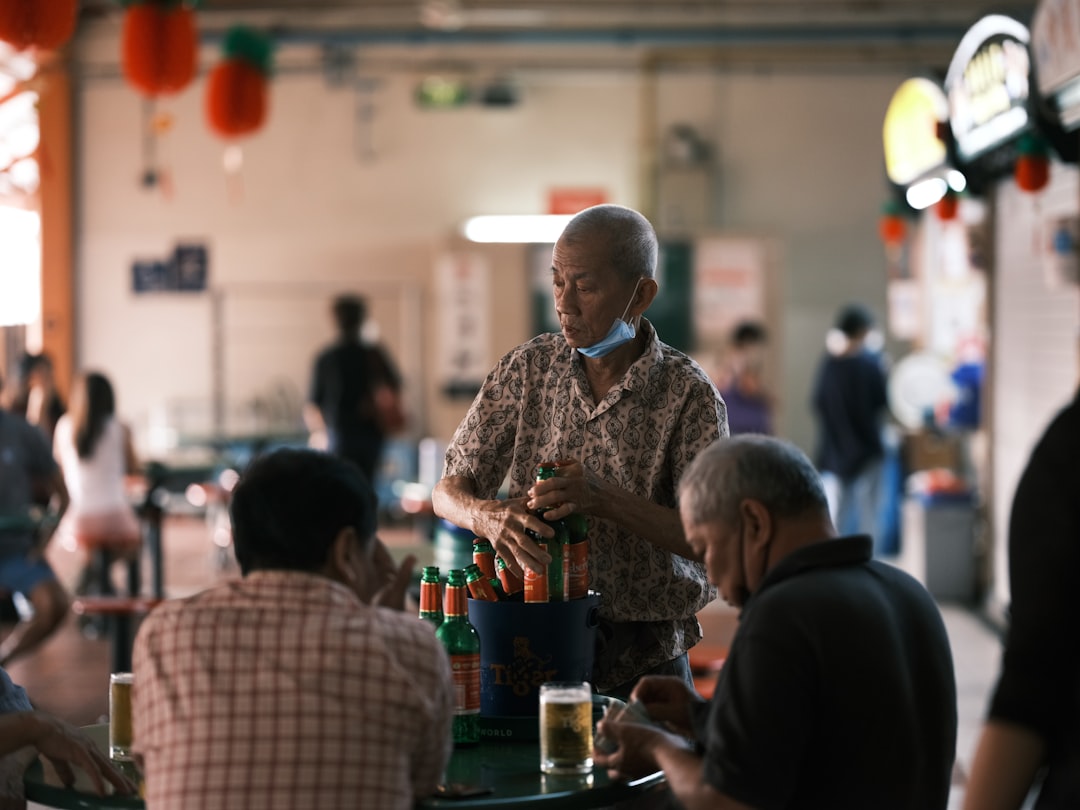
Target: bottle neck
(457, 601)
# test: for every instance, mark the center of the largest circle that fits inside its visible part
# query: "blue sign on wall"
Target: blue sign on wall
(187, 270)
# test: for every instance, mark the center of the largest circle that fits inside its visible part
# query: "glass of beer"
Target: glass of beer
(120, 732)
(566, 733)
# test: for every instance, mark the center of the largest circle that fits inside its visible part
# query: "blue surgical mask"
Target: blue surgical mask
(620, 332)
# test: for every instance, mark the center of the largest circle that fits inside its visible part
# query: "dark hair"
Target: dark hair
(772, 471)
(747, 333)
(854, 319)
(349, 313)
(92, 405)
(290, 506)
(29, 362)
(631, 238)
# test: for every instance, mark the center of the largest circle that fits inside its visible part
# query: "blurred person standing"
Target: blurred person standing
(354, 386)
(749, 404)
(849, 401)
(96, 454)
(29, 477)
(1032, 735)
(627, 413)
(37, 399)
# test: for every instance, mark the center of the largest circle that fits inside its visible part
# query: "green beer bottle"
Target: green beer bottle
(431, 596)
(462, 644)
(556, 546)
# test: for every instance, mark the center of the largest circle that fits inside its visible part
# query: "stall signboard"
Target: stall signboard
(988, 87)
(912, 131)
(1055, 46)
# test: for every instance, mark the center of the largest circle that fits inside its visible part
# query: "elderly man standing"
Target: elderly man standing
(294, 687)
(838, 691)
(628, 413)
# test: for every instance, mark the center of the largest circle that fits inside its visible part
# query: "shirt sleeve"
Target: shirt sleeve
(1041, 659)
(483, 443)
(703, 420)
(12, 696)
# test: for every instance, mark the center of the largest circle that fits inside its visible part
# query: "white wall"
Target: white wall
(799, 162)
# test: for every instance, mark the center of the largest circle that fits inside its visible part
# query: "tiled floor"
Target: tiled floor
(69, 675)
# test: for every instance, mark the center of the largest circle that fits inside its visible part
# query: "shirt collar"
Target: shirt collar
(637, 376)
(833, 553)
(282, 578)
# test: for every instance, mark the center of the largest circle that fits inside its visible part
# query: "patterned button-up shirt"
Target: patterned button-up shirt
(536, 406)
(284, 690)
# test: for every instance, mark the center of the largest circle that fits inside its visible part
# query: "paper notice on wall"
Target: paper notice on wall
(905, 308)
(463, 289)
(729, 285)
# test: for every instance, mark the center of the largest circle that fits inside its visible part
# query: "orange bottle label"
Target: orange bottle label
(482, 589)
(577, 570)
(430, 598)
(486, 561)
(536, 585)
(511, 584)
(465, 670)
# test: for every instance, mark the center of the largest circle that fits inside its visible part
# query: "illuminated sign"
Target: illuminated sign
(910, 133)
(1055, 46)
(988, 86)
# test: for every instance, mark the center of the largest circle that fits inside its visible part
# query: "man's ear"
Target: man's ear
(646, 292)
(341, 563)
(757, 525)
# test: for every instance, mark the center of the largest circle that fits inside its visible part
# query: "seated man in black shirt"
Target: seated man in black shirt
(838, 691)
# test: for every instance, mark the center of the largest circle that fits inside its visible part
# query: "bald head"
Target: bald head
(771, 471)
(630, 238)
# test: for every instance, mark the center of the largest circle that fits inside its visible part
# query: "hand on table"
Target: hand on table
(65, 746)
(635, 746)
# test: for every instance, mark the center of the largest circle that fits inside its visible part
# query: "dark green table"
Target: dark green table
(510, 769)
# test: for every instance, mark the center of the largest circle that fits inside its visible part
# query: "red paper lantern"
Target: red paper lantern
(159, 47)
(1032, 172)
(892, 229)
(46, 24)
(236, 89)
(947, 206)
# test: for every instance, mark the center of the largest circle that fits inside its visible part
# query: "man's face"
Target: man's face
(721, 547)
(589, 294)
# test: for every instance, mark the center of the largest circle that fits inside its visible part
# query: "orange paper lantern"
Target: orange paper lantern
(1032, 172)
(159, 47)
(235, 99)
(892, 229)
(947, 206)
(46, 24)
(236, 89)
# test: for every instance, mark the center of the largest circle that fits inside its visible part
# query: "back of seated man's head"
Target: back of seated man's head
(291, 505)
(771, 471)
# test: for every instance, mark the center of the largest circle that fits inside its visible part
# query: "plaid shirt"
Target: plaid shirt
(284, 690)
(535, 406)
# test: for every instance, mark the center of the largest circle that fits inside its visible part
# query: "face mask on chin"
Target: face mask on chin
(620, 332)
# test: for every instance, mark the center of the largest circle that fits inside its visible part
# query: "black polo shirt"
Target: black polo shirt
(838, 691)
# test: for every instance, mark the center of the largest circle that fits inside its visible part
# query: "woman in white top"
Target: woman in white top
(95, 452)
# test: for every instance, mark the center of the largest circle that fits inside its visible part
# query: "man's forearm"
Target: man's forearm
(660, 525)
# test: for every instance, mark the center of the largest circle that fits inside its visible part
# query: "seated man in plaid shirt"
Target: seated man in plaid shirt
(294, 686)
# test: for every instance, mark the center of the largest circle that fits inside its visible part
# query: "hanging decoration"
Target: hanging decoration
(45, 24)
(892, 227)
(946, 208)
(236, 89)
(159, 46)
(1032, 169)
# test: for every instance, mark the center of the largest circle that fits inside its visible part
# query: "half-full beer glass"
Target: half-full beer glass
(120, 734)
(566, 733)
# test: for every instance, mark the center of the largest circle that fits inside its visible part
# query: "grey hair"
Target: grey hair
(632, 239)
(771, 471)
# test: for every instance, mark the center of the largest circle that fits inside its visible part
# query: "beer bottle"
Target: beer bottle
(484, 556)
(577, 553)
(462, 644)
(511, 582)
(556, 547)
(431, 596)
(537, 587)
(480, 586)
